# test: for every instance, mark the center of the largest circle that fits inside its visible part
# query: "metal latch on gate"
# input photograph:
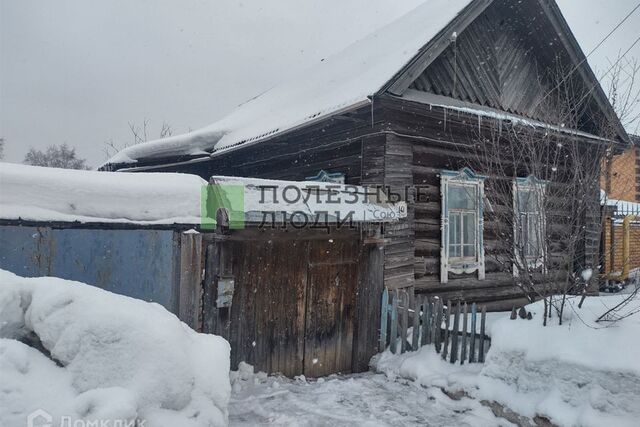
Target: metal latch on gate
(225, 291)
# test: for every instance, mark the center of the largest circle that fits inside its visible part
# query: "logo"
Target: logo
(39, 418)
(222, 203)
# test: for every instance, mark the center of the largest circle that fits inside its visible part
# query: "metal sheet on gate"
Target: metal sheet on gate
(135, 263)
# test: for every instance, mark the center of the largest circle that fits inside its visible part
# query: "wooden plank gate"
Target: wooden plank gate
(406, 326)
(291, 305)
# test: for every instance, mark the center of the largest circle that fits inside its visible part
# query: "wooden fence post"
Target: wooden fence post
(437, 336)
(447, 314)
(393, 344)
(384, 314)
(463, 350)
(415, 338)
(426, 321)
(405, 322)
(472, 345)
(454, 337)
(482, 322)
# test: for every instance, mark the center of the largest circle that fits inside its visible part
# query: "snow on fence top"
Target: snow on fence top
(32, 193)
(621, 207)
(341, 81)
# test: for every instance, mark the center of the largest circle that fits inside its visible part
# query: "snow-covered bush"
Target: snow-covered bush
(579, 373)
(77, 351)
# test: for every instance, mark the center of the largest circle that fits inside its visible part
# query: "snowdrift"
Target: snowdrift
(582, 373)
(77, 351)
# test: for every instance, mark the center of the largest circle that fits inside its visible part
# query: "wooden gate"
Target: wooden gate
(293, 308)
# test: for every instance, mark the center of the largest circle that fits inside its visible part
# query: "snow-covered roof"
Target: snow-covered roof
(340, 82)
(31, 193)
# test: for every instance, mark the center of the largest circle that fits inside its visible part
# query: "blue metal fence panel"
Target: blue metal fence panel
(136, 263)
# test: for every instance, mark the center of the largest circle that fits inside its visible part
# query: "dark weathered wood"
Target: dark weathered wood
(434, 48)
(404, 325)
(415, 338)
(437, 325)
(190, 308)
(454, 336)
(426, 321)
(482, 335)
(384, 315)
(331, 297)
(472, 344)
(210, 288)
(447, 315)
(393, 337)
(369, 307)
(399, 247)
(463, 349)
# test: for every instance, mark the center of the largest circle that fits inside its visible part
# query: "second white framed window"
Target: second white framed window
(529, 222)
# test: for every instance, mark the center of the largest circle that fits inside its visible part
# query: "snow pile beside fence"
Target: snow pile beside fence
(94, 355)
(579, 373)
(427, 368)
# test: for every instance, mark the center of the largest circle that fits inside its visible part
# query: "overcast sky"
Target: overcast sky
(78, 71)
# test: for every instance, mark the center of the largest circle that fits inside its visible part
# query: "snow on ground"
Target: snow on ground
(94, 355)
(367, 399)
(580, 373)
(427, 368)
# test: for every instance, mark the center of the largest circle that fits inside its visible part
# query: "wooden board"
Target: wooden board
(268, 305)
(330, 308)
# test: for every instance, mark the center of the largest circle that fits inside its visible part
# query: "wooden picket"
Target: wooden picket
(406, 324)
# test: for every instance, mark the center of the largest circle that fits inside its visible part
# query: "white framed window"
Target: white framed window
(462, 223)
(529, 222)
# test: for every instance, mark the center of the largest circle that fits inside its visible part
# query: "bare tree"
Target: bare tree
(55, 156)
(140, 134)
(543, 194)
(1, 148)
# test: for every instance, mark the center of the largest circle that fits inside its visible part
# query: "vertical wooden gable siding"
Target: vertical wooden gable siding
(488, 64)
(509, 58)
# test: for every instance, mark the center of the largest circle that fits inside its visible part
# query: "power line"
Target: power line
(590, 53)
(611, 68)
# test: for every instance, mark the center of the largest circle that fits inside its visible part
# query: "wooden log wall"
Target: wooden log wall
(400, 236)
(333, 145)
(441, 141)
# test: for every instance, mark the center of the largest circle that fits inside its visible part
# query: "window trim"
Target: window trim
(530, 183)
(460, 265)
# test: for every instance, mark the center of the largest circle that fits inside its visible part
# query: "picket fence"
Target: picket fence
(407, 326)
